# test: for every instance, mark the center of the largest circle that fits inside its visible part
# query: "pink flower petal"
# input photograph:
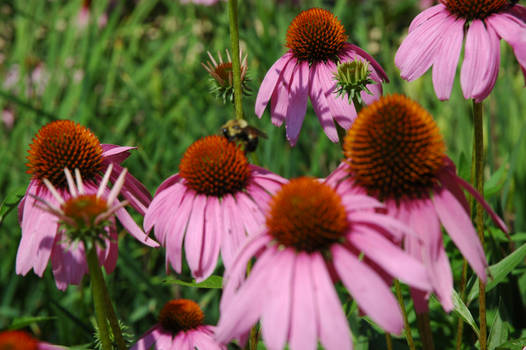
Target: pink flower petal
(371, 293)
(133, 190)
(376, 93)
(175, 232)
(164, 203)
(303, 327)
(69, 264)
(275, 319)
(131, 226)
(194, 238)
(234, 231)
(334, 332)
(362, 53)
(391, 225)
(425, 15)
(211, 239)
(269, 83)
(418, 50)
(114, 153)
(298, 96)
(320, 105)
(381, 251)
(446, 60)
(458, 225)
(279, 102)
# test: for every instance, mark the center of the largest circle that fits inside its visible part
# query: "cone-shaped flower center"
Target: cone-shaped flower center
(17, 340)
(224, 72)
(395, 149)
(316, 35)
(307, 215)
(475, 9)
(64, 144)
(180, 315)
(84, 208)
(214, 166)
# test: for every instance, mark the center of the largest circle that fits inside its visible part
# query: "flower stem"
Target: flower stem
(103, 306)
(479, 218)
(97, 283)
(236, 65)
(460, 322)
(389, 341)
(407, 328)
(424, 327)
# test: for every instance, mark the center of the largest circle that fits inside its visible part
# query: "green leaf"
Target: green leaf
(11, 202)
(512, 344)
(212, 282)
(498, 331)
(462, 310)
(499, 271)
(496, 181)
(25, 321)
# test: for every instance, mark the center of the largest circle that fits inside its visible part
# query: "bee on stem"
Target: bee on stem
(239, 131)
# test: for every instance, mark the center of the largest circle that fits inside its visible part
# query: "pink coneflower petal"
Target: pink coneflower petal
(275, 319)
(297, 101)
(268, 84)
(376, 92)
(115, 153)
(233, 229)
(211, 240)
(388, 223)
(194, 239)
(69, 265)
(333, 329)
(252, 219)
(359, 202)
(492, 70)
(174, 243)
(164, 202)
(321, 107)
(425, 15)
(303, 316)
(418, 51)
(132, 227)
(460, 229)
(383, 252)
(446, 61)
(279, 102)
(369, 290)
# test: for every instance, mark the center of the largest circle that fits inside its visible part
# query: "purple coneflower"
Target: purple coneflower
(180, 327)
(395, 153)
(436, 36)
(212, 204)
(317, 43)
(20, 340)
(315, 232)
(59, 145)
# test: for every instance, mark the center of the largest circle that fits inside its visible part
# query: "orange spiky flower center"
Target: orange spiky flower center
(475, 9)
(64, 144)
(215, 167)
(180, 315)
(395, 149)
(316, 35)
(307, 215)
(84, 208)
(17, 340)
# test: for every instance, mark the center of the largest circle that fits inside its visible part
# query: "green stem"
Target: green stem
(424, 328)
(460, 322)
(236, 65)
(479, 212)
(97, 283)
(102, 298)
(407, 328)
(389, 341)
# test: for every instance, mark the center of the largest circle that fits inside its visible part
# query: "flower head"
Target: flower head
(395, 153)
(212, 204)
(66, 144)
(20, 340)
(314, 231)
(222, 76)
(436, 36)
(317, 43)
(180, 327)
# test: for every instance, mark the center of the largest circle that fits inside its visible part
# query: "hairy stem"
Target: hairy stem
(424, 328)
(236, 65)
(407, 328)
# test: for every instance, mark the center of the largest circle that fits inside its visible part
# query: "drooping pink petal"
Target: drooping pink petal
(303, 327)
(333, 330)
(425, 15)
(203, 340)
(133, 190)
(182, 340)
(297, 107)
(477, 59)
(446, 59)
(376, 93)
(391, 225)
(275, 319)
(380, 250)
(371, 293)
(211, 239)
(69, 264)
(147, 340)
(112, 250)
(131, 226)
(175, 232)
(492, 70)
(320, 105)
(194, 238)
(460, 229)
(358, 201)
(234, 231)
(418, 50)
(269, 83)
(279, 102)
(115, 153)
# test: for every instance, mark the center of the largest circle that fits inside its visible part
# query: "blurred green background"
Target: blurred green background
(132, 74)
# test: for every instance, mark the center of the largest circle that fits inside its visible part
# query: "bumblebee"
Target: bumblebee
(238, 130)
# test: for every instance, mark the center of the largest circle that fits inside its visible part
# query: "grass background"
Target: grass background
(138, 81)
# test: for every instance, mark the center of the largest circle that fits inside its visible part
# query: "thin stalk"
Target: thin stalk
(479, 212)
(236, 65)
(389, 341)
(102, 298)
(460, 322)
(424, 328)
(407, 328)
(97, 283)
